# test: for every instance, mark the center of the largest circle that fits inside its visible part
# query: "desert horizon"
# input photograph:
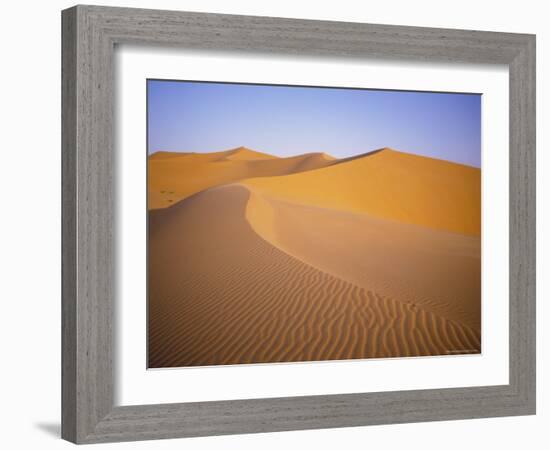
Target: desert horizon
(257, 258)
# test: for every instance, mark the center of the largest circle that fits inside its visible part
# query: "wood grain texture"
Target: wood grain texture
(523, 224)
(68, 224)
(89, 36)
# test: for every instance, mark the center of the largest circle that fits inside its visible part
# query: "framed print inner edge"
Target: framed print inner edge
(135, 386)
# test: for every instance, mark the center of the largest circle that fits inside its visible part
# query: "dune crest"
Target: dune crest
(245, 154)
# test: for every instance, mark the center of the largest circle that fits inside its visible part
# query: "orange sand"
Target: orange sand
(175, 176)
(265, 259)
(393, 185)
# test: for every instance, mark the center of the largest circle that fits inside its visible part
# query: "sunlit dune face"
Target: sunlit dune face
(391, 185)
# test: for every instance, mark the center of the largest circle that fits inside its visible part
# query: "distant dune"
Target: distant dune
(254, 258)
(175, 176)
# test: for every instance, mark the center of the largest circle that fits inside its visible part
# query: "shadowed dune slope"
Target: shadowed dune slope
(436, 270)
(220, 294)
(174, 176)
(392, 185)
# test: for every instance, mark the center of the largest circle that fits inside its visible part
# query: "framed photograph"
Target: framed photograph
(277, 224)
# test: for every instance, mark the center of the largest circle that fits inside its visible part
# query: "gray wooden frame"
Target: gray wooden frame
(89, 36)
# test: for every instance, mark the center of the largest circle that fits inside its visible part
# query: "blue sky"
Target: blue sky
(286, 121)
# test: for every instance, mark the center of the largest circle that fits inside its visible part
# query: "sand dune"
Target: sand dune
(174, 176)
(222, 293)
(254, 258)
(436, 270)
(392, 185)
(239, 153)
